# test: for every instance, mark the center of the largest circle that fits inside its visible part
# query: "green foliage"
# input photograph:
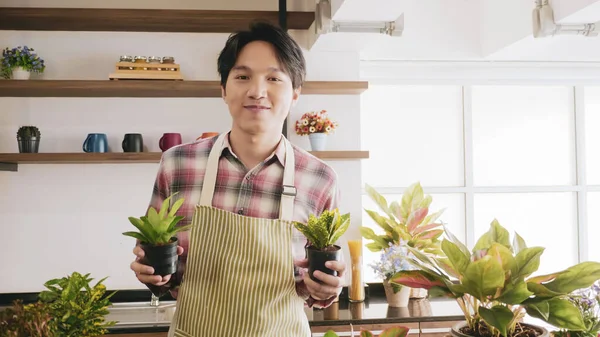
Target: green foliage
(31, 320)
(492, 283)
(28, 132)
(77, 308)
(399, 331)
(325, 230)
(158, 227)
(407, 222)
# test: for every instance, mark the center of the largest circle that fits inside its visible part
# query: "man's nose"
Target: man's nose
(257, 89)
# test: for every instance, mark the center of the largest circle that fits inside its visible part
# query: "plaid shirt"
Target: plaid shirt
(253, 193)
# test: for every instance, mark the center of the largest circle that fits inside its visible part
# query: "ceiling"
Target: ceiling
(463, 30)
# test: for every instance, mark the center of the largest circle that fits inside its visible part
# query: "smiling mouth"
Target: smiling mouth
(256, 108)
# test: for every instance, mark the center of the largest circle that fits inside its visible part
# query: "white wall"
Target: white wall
(63, 218)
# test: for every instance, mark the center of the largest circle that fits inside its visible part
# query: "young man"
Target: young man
(241, 191)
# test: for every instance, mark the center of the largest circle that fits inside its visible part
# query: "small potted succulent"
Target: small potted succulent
(494, 286)
(18, 63)
(322, 232)
(157, 236)
(28, 138)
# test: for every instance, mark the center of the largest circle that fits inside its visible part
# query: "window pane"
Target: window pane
(453, 217)
(592, 136)
(541, 219)
(523, 136)
(412, 131)
(593, 203)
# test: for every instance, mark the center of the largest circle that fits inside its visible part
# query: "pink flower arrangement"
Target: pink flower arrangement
(315, 122)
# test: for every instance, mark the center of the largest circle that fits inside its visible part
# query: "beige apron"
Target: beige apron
(239, 277)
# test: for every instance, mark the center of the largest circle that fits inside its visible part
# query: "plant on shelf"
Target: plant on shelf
(322, 232)
(28, 139)
(404, 224)
(77, 307)
(587, 302)
(399, 331)
(317, 126)
(157, 236)
(20, 62)
(493, 286)
(32, 320)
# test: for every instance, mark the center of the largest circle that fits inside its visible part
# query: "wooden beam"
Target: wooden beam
(142, 20)
(132, 157)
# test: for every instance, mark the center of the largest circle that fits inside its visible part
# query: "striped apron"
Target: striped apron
(239, 277)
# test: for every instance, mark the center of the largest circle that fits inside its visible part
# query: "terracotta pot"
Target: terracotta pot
(399, 299)
(207, 135)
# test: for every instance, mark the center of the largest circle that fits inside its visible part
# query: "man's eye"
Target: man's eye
(242, 77)
(274, 79)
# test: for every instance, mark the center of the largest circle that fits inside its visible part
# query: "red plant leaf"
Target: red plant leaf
(416, 218)
(416, 279)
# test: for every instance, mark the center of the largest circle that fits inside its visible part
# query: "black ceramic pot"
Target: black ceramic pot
(30, 145)
(162, 258)
(317, 259)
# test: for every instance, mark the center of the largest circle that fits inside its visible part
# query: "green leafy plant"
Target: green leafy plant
(158, 227)
(399, 331)
(405, 223)
(493, 285)
(31, 320)
(77, 308)
(586, 301)
(323, 231)
(28, 132)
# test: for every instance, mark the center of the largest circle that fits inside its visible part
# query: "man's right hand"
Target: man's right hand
(144, 273)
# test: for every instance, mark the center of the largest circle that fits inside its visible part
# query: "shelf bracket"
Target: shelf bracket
(9, 167)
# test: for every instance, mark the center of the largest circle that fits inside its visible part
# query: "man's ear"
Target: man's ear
(296, 96)
(223, 92)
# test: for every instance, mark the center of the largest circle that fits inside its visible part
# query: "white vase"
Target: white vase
(398, 299)
(20, 74)
(317, 141)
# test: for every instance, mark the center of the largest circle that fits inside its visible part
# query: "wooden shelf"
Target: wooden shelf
(151, 88)
(10, 161)
(142, 20)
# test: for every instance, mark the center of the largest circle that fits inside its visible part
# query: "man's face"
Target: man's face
(258, 92)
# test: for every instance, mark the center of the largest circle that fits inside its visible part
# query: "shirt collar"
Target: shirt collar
(279, 151)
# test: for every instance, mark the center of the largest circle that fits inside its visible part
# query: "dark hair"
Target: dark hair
(288, 52)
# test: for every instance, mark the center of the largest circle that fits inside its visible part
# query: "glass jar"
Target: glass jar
(356, 289)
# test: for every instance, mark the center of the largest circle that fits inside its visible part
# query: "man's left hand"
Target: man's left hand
(331, 286)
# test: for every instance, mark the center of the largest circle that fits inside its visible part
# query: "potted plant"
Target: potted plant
(586, 301)
(28, 138)
(404, 224)
(322, 233)
(77, 307)
(493, 286)
(157, 236)
(32, 320)
(317, 126)
(19, 62)
(399, 331)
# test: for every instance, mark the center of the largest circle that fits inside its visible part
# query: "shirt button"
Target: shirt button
(241, 211)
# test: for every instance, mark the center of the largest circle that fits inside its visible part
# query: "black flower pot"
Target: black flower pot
(28, 145)
(317, 259)
(162, 258)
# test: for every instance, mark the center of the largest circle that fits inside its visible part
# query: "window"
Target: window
(505, 152)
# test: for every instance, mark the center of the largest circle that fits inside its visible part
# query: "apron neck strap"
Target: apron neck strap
(286, 209)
